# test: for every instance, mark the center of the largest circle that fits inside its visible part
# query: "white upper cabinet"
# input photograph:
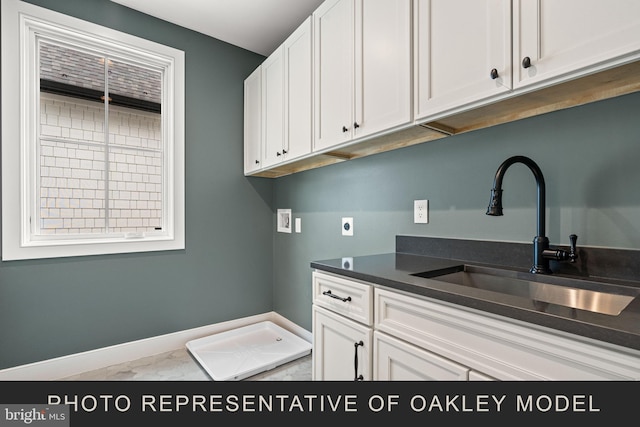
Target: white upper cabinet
(287, 99)
(362, 66)
(564, 39)
(298, 74)
(273, 108)
(334, 64)
(383, 86)
(253, 121)
(463, 52)
(360, 77)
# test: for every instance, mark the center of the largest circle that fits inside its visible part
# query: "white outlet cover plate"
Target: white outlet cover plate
(284, 220)
(421, 211)
(347, 226)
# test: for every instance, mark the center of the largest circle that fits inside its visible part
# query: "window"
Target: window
(93, 145)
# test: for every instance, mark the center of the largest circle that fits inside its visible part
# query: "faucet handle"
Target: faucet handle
(562, 255)
(573, 253)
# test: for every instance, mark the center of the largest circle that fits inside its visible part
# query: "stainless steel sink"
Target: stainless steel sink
(573, 293)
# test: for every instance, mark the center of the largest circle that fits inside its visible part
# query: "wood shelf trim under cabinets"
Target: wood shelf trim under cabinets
(599, 86)
(610, 83)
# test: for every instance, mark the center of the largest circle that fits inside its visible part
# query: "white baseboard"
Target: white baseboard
(73, 364)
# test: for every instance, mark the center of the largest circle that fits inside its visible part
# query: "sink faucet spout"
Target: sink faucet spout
(541, 252)
(495, 205)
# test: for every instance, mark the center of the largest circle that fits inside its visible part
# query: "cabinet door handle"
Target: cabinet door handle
(329, 294)
(494, 74)
(526, 62)
(284, 151)
(356, 125)
(257, 162)
(278, 153)
(345, 129)
(355, 362)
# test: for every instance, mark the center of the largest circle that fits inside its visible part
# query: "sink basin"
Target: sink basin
(572, 293)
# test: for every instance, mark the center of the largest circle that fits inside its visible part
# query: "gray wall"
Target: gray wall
(55, 307)
(589, 155)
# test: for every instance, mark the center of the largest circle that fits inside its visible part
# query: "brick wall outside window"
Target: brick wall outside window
(73, 158)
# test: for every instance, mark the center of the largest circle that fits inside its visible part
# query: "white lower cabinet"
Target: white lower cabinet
(478, 376)
(342, 331)
(396, 360)
(344, 348)
(499, 347)
(417, 338)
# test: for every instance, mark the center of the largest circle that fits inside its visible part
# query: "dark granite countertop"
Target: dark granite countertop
(394, 270)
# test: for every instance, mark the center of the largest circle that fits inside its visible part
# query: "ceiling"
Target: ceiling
(256, 25)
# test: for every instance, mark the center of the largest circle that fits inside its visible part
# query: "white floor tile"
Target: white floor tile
(178, 365)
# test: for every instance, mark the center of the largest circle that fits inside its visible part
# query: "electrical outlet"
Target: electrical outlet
(420, 211)
(284, 220)
(347, 226)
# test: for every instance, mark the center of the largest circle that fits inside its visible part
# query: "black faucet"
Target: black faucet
(541, 251)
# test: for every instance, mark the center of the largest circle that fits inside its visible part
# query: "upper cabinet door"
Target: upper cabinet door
(463, 52)
(333, 24)
(572, 37)
(253, 121)
(298, 91)
(273, 108)
(363, 69)
(383, 87)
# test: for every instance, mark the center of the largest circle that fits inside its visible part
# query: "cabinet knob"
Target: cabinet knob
(278, 153)
(494, 74)
(526, 62)
(356, 125)
(284, 151)
(345, 129)
(257, 162)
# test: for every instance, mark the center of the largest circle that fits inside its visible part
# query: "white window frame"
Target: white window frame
(21, 23)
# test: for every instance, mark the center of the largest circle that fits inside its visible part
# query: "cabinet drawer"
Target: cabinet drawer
(350, 298)
(501, 348)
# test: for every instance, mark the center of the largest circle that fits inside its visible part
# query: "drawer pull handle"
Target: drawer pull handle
(357, 377)
(329, 294)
